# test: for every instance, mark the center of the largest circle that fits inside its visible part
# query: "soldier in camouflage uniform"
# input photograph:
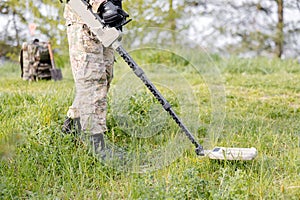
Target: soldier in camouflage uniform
(92, 68)
(35, 61)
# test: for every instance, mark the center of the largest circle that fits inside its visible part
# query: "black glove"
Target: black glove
(112, 15)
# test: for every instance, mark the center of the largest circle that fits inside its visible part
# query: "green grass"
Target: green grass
(262, 110)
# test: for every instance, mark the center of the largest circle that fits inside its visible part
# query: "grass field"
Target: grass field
(262, 109)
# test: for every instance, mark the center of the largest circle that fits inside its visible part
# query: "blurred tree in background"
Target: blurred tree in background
(247, 27)
(251, 27)
(43, 17)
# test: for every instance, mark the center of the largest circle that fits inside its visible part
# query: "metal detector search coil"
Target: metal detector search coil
(223, 153)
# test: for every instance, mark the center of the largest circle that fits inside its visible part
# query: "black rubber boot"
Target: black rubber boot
(71, 126)
(104, 151)
(97, 142)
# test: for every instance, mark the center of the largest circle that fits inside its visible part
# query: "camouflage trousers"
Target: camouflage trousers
(29, 63)
(92, 68)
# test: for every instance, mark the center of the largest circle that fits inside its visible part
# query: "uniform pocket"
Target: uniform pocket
(90, 42)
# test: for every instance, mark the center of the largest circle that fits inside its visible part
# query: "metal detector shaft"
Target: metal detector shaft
(166, 105)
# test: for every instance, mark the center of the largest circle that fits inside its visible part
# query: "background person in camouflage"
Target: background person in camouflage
(92, 68)
(35, 61)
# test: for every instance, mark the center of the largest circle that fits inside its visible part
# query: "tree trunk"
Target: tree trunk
(17, 38)
(279, 32)
(172, 20)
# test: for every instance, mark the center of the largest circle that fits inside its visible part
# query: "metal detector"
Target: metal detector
(109, 36)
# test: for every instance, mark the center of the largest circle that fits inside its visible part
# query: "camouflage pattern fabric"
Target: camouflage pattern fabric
(33, 64)
(92, 68)
(25, 60)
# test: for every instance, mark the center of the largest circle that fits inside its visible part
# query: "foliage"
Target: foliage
(246, 28)
(48, 18)
(45, 15)
(251, 28)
